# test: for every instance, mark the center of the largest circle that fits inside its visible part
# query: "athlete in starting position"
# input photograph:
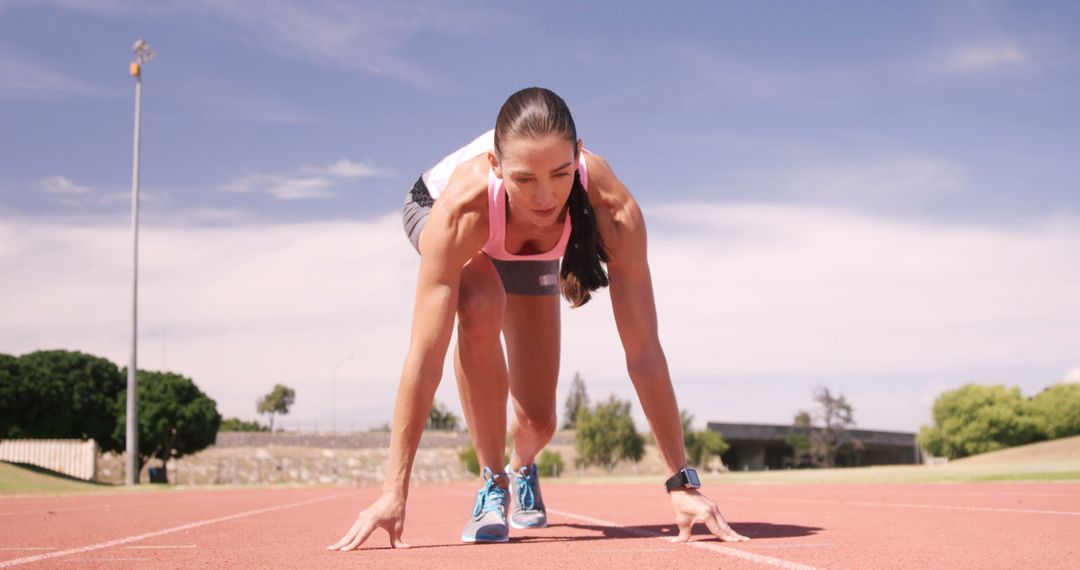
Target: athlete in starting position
(491, 222)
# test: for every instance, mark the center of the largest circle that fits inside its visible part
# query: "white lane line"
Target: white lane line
(796, 545)
(105, 506)
(710, 546)
(1020, 494)
(625, 550)
(911, 506)
(159, 547)
(111, 559)
(144, 536)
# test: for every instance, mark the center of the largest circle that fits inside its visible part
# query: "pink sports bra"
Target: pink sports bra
(438, 177)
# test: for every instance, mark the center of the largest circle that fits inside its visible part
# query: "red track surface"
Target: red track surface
(987, 525)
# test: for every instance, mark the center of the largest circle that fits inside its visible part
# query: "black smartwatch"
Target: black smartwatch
(685, 478)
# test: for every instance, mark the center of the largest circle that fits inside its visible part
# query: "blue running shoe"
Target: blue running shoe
(488, 521)
(528, 511)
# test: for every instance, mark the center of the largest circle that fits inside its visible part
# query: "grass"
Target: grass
(20, 479)
(1056, 460)
(1064, 449)
(1050, 471)
(27, 479)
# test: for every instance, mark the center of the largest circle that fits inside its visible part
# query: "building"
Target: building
(759, 446)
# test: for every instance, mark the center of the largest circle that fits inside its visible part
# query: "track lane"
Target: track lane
(983, 525)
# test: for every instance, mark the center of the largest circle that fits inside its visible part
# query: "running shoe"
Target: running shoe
(488, 521)
(528, 510)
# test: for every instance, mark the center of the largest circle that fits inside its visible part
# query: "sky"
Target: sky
(878, 198)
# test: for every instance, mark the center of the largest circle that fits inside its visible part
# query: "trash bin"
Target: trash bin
(158, 475)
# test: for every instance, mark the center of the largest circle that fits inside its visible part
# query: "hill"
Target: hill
(20, 479)
(1064, 449)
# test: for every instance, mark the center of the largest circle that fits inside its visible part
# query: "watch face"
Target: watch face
(692, 477)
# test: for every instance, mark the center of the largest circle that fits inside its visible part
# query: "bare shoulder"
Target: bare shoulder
(458, 218)
(467, 188)
(619, 218)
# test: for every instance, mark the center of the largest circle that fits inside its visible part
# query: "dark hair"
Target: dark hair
(533, 113)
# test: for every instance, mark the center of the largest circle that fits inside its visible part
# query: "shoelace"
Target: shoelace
(490, 497)
(526, 496)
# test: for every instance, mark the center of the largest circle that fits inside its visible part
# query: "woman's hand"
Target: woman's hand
(692, 507)
(388, 512)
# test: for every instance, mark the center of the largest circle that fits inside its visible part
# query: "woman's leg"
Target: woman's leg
(479, 362)
(531, 327)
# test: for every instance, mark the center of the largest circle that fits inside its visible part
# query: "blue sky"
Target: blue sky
(945, 129)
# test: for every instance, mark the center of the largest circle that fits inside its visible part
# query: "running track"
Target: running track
(986, 525)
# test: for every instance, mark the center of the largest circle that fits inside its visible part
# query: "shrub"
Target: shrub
(467, 455)
(977, 419)
(1057, 410)
(550, 463)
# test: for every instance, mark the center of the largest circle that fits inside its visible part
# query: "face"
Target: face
(539, 174)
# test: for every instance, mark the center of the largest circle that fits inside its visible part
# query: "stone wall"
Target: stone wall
(265, 458)
(358, 440)
(276, 464)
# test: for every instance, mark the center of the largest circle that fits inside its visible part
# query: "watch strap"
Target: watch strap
(680, 480)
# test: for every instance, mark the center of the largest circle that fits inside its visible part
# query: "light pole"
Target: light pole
(143, 54)
(333, 393)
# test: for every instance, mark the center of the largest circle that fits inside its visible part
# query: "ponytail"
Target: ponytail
(532, 113)
(582, 269)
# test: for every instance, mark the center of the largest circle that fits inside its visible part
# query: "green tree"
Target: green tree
(1057, 409)
(805, 454)
(606, 434)
(704, 445)
(442, 419)
(821, 445)
(278, 401)
(550, 463)
(175, 417)
(237, 424)
(467, 455)
(9, 393)
(701, 446)
(575, 401)
(66, 394)
(976, 419)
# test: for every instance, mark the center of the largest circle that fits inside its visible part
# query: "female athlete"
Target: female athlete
(491, 222)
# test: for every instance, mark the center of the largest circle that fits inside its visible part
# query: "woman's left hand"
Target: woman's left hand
(692, 507)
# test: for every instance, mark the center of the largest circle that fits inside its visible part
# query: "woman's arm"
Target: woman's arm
(622, 227)
(455, 231)
(450, 239)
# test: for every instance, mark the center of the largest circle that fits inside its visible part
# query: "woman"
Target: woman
(491, 222)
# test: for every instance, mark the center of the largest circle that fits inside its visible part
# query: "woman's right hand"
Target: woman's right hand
(388, 512)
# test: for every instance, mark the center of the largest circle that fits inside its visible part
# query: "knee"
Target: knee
(480, 314)
(542, 426)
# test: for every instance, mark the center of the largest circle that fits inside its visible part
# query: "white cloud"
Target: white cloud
(232, 101)
(1073, 376)
(368, 37)
(986, 57)
(219, 215)
(899, 181)
(345, 168)
(305, 183)
(24, 77)
(62, 185)
(757, 304)
(66, 191)
(301, 189)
